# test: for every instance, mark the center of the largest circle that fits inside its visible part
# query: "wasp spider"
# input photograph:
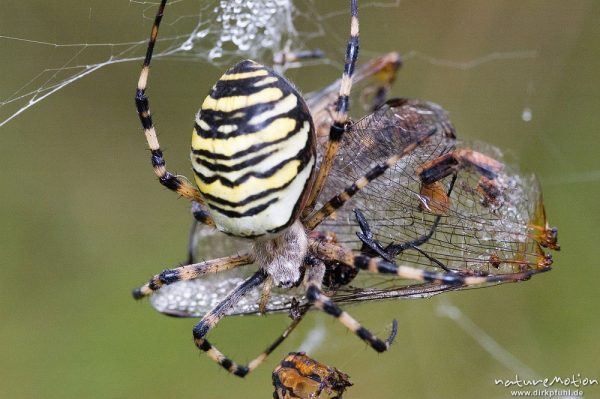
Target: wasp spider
(265, 171)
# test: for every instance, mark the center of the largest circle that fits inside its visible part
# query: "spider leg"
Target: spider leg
(315, 273)
(340, 119)
(190, 272)
(261, 358)
(287, 59)
(378, 265)
(212, 318)
(166, 178)
(339, 200)
(265, 295)
(381, 73)
(200, 215)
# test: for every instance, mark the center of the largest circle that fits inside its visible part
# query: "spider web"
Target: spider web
(216, 32)
(212, 31)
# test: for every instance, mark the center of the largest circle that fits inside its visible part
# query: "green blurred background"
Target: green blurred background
(84, 221)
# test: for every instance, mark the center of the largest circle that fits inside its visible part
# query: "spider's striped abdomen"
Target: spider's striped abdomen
(253, 151)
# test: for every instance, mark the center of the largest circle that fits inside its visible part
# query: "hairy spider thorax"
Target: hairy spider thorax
(282, 256)
(253, 151)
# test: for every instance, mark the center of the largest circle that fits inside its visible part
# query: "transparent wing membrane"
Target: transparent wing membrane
(195, 298)
(444, 204)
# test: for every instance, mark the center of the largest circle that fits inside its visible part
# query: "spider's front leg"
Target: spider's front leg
(340, 119)
(169, 180)
(379, 74)
(378, 265)
(315, 273)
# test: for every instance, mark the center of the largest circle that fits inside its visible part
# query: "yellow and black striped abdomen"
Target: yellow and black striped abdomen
(253, 151)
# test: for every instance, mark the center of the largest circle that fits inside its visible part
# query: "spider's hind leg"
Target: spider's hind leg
(212, 318)
(314, 277)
